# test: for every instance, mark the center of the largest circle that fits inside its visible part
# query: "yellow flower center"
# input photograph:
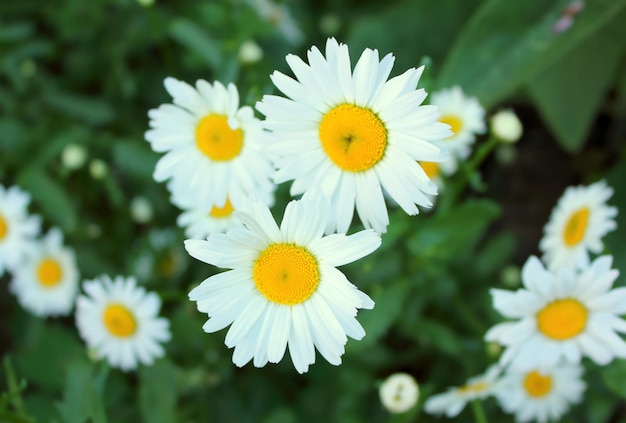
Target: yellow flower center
(431, 168)
(119, 320)
(562, 319)
(353, 137)
(216, 139)
(3, 227)
(286, 273)
(537, 385)
(455, 123)
(473, 387)
(49, 272)
(224, 211)
(575, 227)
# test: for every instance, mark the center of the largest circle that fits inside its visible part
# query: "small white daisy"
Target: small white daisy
(466, 118)
(17, 229)
(354, 134)
(577, 224)
(213, 147)
(399, 393)
(283, 288)
(453, 401)
(199, 223)
(569, 314)
(47, 282)
(119, 321)
(540, 395)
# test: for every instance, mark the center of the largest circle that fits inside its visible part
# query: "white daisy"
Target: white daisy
(453, 401)
(47, 282)
(283, 288)
(569, 314)
(466, 118)
(354, 134)
(198, 223)
(577, 224)
(540, 395)
(17, 229)
(119, 321)
(399, 393)
(213, 147)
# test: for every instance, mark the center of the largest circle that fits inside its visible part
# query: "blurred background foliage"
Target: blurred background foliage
(86, 73)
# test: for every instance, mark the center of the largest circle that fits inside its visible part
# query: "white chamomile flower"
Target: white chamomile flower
(283, 288)
(453, 401)
(354, 133)
(213, 147)
(47, 282)
(542, 396)
(199, 223)
(466, 118)
(506, 126)
(564, 315)
(17, 229)
(577, 224)
(119, 321)
(399, 393)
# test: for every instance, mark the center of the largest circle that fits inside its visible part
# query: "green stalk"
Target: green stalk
(479, 412)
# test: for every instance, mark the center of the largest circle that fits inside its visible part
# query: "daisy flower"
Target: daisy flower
(354, 134)
(119, 321)
(577, 224)
(569, 314)
(47, 282)
(213, 147)
(541, 395)
(466, 118)
(198, 223)
(399, 393)
(283, 288)
(17, 229)
(452, 402)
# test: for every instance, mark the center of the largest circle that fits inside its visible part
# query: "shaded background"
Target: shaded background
(86, 73)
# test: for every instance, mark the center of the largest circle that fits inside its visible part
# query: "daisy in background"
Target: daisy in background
(577, 224)
(466, 118)
(47, 282)
(454, 400)
(399, 393)
(354, 133)
(213, 147)
(541, 396)
(17, 229)
(198, 223)
(119, 321)
(564, 315)
(283, 289)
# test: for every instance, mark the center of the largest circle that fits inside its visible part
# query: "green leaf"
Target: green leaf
(45, 353)
(51, 197)
(568, 106)
(614, 377)
(505, 43)
(135, 158)
(81, 400)
(158, 392)
(455, 232)
(196, 40)
(389, 301)
(90, 110)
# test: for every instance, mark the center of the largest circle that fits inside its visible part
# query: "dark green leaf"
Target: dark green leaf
(196, 40)
(505, 43)
(157, 392)
(569, 92)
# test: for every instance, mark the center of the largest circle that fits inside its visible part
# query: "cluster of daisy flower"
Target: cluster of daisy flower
(351, 140)
(117, 319)
(565, 311)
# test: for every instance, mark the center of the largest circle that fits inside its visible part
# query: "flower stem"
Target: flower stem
(479, 412)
